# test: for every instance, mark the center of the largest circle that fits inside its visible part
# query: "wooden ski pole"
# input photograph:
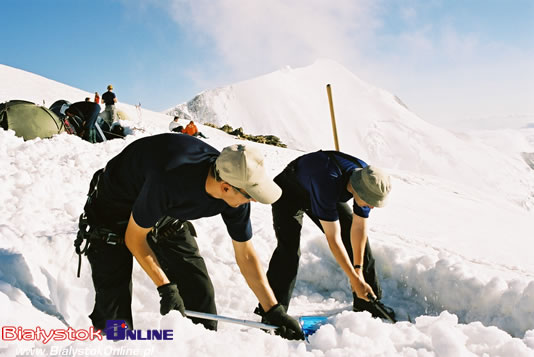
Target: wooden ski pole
(329, 91)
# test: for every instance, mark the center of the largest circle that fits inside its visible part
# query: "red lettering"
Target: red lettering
(70, 334)
(82, 335)
(9, 333)
(94, 334)
(28, 335)
(60, 335)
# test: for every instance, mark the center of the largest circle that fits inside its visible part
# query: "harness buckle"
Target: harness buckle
(112, 239)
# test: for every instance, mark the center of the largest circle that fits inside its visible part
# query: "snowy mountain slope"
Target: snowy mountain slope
(502, 122)
(453, 259)
(42, 91)
(24, 84)
(372, 124)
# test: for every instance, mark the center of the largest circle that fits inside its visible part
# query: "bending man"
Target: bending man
(140, 205)
(319, 184)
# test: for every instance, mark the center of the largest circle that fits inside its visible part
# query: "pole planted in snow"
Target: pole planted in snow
(329, 91)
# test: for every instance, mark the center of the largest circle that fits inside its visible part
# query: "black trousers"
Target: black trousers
(288, 213)
(178, 255)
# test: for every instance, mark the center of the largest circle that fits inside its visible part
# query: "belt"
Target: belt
(165, 228)
(90, 234)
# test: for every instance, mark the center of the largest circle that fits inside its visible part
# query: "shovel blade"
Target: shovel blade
(310, 324)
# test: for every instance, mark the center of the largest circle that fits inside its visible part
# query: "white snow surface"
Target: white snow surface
(453, 246)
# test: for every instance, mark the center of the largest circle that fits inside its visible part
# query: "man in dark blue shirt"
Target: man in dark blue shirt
(140, 205)
(319, 184)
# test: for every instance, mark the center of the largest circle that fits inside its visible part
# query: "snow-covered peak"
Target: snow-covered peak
(372, 124)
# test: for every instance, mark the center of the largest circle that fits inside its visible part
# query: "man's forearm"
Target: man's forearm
(250, 267)
(148, 261)
(358, 239)
(258, 283)
(333, 237)
(135, 240)
(340, 255)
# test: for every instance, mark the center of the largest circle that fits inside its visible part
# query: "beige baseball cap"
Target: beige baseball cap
(242, 166)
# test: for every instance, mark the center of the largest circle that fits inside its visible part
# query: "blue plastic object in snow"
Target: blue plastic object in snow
(310, 324)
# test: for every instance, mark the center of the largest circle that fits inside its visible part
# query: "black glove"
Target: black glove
(170, 299)
(288, 328)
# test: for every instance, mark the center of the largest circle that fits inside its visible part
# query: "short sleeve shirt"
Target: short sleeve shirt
(108, 98)
(326, 181)
(165, 175)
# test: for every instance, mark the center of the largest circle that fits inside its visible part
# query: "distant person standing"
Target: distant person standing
(109, 99)
(138, 109)
(97, 98)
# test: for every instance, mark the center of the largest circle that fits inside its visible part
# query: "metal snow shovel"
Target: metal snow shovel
(249, 323)
(309, 324)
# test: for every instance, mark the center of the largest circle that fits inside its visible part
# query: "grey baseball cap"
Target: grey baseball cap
(371, 184)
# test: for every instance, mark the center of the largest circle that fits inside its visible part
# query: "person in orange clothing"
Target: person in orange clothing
(97, 98)
(191, 129)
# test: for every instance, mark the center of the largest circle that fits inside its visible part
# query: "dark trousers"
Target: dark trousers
(288, 212)
(178, 255)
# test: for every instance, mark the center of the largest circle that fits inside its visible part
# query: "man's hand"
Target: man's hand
(288, 328)
(363, 290)
(170, 299)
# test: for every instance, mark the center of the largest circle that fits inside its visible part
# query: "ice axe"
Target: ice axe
(309, 324)
(373, 301)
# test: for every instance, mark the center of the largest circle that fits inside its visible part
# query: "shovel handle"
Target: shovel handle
(207, 316)
(309, 324)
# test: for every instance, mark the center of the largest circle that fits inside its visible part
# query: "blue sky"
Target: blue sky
(447, 60)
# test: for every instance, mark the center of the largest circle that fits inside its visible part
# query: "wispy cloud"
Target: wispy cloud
(253, 37)
(414, 48)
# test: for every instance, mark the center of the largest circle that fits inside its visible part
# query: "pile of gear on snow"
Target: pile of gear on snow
(82, 119)
(264, 139)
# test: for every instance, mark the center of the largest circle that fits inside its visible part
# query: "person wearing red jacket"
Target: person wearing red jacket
(191, 129)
